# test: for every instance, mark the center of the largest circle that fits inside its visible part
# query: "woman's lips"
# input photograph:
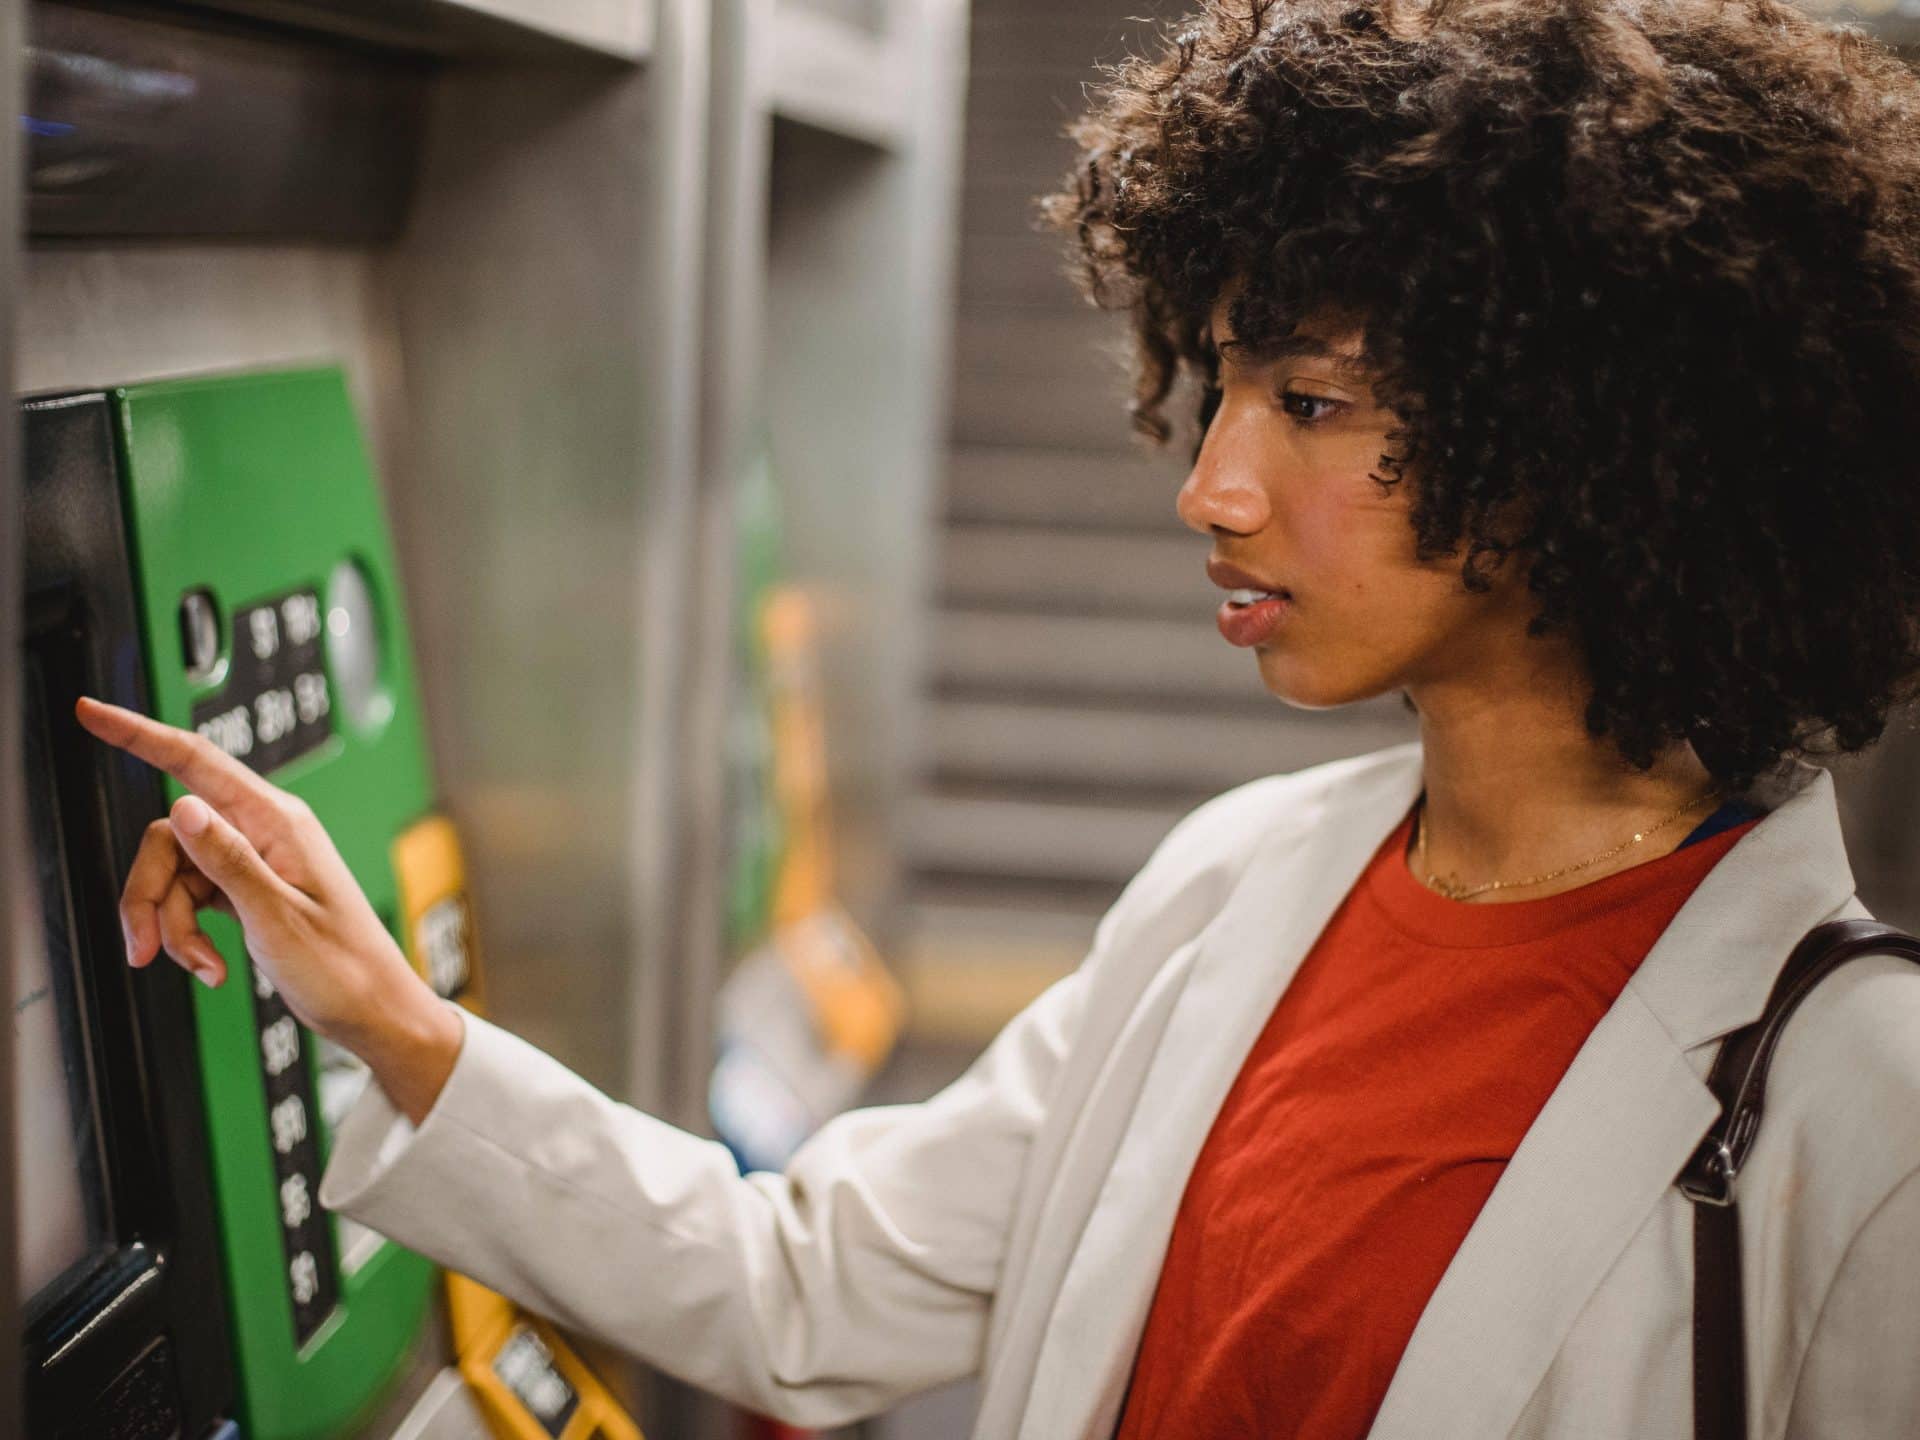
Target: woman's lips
(1254, 624)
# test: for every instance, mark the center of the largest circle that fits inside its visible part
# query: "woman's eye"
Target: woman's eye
(1300, 405)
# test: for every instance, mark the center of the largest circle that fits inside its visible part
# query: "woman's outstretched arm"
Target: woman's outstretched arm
(860, 1275)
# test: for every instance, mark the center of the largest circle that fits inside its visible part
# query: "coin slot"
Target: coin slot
(200, 636)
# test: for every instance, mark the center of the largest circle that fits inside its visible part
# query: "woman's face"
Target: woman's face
(1318, 556)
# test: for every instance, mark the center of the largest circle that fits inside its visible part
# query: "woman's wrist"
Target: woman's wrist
(411, 1045)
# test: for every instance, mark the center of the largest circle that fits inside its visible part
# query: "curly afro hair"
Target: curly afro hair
(1639, 281)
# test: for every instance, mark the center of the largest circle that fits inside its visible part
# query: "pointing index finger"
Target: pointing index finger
(204, 768)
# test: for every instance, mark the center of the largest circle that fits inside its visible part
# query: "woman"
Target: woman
(1556, 364)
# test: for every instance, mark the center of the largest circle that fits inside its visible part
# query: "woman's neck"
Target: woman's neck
(1516, 787)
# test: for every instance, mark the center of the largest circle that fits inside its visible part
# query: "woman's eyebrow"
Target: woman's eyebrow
(1297, 347)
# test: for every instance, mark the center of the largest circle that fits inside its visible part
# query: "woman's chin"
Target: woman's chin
(1308, 688)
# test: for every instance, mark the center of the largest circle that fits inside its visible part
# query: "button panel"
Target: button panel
(276, 705)
(312, 1271)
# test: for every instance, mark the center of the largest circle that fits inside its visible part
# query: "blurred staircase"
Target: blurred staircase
(1077, 699)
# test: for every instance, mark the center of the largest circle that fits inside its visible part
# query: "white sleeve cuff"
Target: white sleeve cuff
(372, 1136)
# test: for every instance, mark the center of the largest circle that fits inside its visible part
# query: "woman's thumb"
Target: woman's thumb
(225, 856)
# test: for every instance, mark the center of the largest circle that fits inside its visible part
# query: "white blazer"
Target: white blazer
(1014, 1224)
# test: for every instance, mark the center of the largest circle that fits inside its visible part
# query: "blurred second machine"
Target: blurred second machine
(529, 234)
(810, 1012)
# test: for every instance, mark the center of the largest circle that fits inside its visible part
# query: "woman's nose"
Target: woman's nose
(1223, 494)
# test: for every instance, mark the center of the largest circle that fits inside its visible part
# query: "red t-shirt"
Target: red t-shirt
(1368, 1125)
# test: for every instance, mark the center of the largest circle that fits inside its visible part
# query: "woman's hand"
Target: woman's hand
(242, 845)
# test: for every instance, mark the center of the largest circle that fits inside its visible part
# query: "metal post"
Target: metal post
(12, 826)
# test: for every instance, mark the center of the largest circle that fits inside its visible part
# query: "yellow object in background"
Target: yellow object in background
(857, 1003)
(435, 925)
(810, 1014)
(528, 1381)
(788, 634)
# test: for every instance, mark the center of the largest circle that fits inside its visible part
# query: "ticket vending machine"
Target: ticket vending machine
(222, 563)
(272, 624)
(126, 1332)
(237, 521)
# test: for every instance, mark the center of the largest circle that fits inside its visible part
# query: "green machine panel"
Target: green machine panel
(274, 626)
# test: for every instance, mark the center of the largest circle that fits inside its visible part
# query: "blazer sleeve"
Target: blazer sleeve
(861, 1274)
(1859, 1379)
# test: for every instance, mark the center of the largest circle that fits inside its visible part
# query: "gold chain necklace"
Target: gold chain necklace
(1455, 891)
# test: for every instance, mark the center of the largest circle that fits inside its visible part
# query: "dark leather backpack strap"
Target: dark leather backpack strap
(1739, 1082)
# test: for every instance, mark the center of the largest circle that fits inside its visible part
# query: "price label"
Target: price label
(525, 1366)
(276, 705)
